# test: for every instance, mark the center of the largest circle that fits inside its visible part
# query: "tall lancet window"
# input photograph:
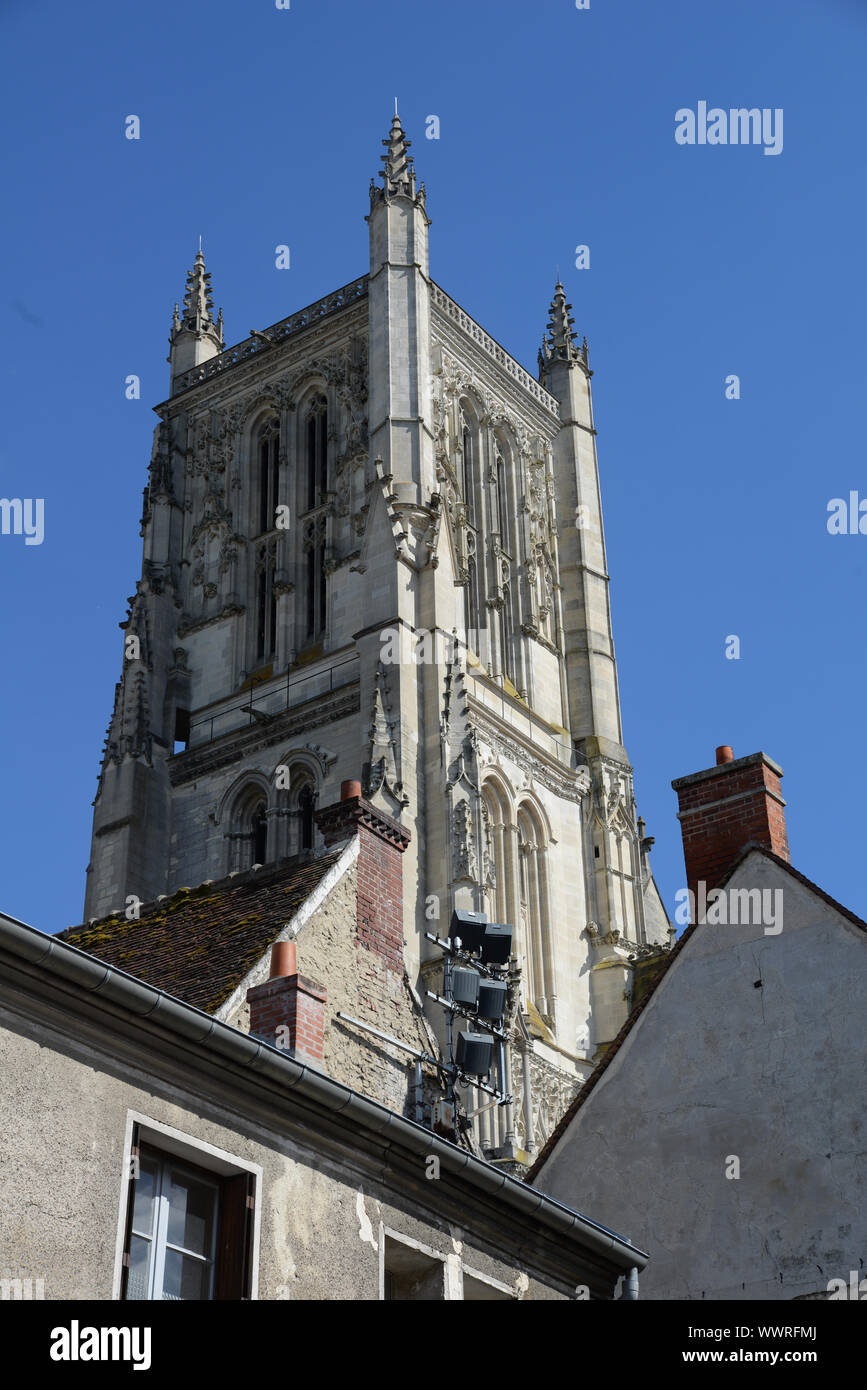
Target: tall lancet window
(316, 447)
(306, 828)
(505, 530)
(315, 581)
(266, 601)
(507, 654)
(503, 526)
(294, 823)
(469, 478)
(268, 474)
(260, 834)
(475, 559)
(499, 885)
(474, 640)
(533, 911)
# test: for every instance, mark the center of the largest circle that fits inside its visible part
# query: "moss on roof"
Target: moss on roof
(199, 943)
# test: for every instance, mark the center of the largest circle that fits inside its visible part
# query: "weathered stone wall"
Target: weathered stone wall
(360, 983)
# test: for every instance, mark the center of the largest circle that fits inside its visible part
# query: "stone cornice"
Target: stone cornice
(503, 368)
(232, 610)
(277, 333)
(352, 813)
(570, 785)
(263, 366)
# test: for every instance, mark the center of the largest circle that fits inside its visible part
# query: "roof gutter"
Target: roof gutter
(196, 1027)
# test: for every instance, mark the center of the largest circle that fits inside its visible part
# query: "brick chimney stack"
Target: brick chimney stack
(727, 807)
(379, 899)
(289, 1010)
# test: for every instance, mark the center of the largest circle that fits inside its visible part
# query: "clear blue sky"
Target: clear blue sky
(261, 126)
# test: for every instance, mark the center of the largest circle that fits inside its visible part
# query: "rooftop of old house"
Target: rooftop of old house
(198, 944)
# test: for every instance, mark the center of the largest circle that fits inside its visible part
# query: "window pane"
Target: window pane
(311, 462)
(186, 1278)
(139, 1268)
(145, 1191)
(311, 592)
(191, 1213)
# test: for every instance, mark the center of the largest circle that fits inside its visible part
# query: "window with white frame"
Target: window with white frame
(188, 1229)
(174, 1231)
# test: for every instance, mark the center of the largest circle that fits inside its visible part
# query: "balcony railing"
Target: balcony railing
(277, 333)
(270, 701)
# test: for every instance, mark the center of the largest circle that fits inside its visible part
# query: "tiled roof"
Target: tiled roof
(199, 943)
(596, 1076)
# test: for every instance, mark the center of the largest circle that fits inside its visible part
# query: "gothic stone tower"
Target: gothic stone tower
(373, 545)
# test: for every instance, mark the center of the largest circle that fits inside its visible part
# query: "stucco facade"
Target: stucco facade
(345, 1203)
(727, 1131)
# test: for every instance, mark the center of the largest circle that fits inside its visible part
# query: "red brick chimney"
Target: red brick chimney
(382, 841)
(289, 1010)
(724, 809)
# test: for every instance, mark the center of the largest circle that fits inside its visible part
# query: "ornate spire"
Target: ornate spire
(398, 164)
(560, 333)
(196, 335)
(398, 175)
(559, 343)
(197, 315)
(199, 299)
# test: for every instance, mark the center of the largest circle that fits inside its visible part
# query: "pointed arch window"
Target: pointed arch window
(294, 811)
(475, 609)
(266, 601)
(315, 579)
(517, 887)
(502, 505)
(500, 887)
(506, 644)
(248, 836)
(469, 471)
(623, 878)
(316, 447)
(268, 454)
(474, 639)
(533, 911)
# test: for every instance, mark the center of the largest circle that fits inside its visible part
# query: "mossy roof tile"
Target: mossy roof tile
(199, 948)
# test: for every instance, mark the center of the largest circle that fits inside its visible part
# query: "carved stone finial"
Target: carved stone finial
(561, 333)
(559, 342)
(198, 309)
(398, 174)
(398, 165)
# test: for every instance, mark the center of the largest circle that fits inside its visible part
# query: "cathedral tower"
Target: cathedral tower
(373, 546)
